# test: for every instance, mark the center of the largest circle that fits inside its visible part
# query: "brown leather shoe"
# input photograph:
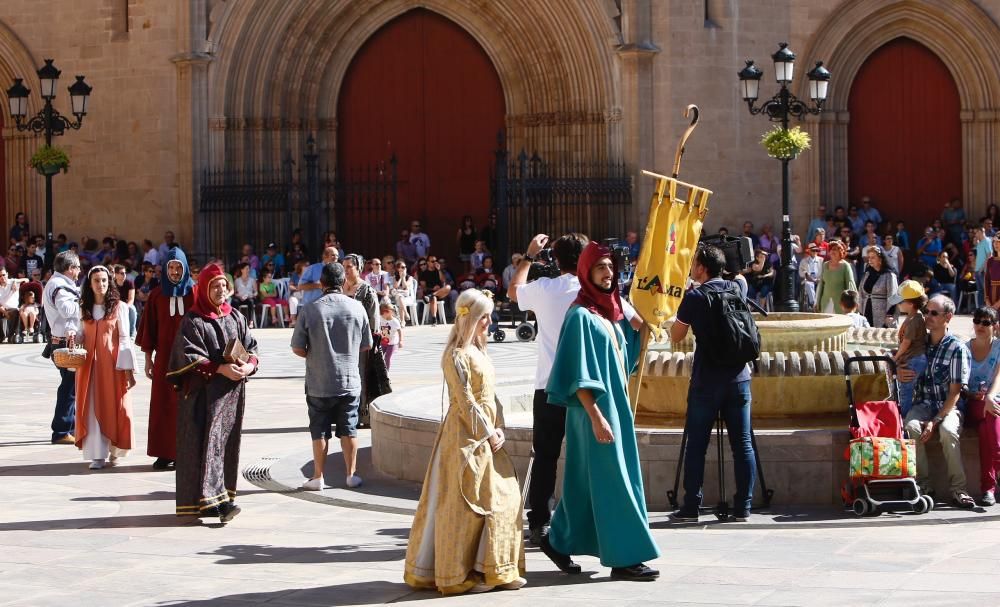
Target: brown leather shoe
(69, 439)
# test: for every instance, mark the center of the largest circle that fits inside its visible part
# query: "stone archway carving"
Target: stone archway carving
(279, 68)
(965, 38)
(22, 186)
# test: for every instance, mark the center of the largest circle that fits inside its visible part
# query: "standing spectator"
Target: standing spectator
(365, 295)
(166, 306)
(856, 223)
(104, 423)
(391, 332)
(212, 400)
(466, 535)
(953, 220)
(167, 244)
(810, 268)
(406, 250)
(748, 233)
(403, 291)
(333, 335)
(836, 278)
(984, 249)
(489, 234)
(868, 212)
(816, 223)
(297, 249)
(466, 239)
(272, 255)
(634, 246)
(508, 272)
(982, 407)
(840, 219)
(246, 289)
(20, 230)
(149, 254)
(9, 303)
(309, 287)
(62, 312)
(929, 246)
(894, 254)
(420, 240)
(878, 284)
(902, 236)
(937, 405)
(31, 261)
(126, 293)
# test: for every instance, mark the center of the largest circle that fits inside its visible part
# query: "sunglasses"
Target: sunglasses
(983, 323)
(935, 312)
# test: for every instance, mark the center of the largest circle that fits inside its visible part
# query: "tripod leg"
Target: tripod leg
(767, 493)
(722, 510)
(672, 495)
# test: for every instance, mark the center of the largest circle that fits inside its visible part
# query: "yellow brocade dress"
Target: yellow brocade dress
(468, 525)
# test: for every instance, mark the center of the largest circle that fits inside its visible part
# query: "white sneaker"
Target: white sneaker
(97, 464)
(514, 584)
(478, 588)
(354, 481)
(313, 484)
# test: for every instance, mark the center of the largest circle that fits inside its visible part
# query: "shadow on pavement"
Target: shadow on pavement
(836, 518)
(69, 469)
(245, 554)
(109, 522)
(302, 429)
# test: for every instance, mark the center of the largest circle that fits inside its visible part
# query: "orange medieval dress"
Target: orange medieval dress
(103, 404)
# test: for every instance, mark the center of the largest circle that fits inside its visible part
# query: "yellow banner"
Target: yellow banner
(672, 234)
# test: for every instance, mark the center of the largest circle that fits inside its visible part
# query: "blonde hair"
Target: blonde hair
(471, 306)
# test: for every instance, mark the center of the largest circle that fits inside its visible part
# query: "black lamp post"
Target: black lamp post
(49, 121)
(778, 109)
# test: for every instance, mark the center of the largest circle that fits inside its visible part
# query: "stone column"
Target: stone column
(636, 114)
(980, 158)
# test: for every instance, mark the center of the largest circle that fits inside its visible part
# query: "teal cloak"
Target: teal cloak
(602, 511)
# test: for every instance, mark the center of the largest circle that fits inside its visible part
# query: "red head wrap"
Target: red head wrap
(203, 305)
(591, 296)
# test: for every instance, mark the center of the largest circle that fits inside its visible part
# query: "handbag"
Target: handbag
(377, 380)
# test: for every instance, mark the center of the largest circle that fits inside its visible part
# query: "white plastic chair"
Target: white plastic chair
(281, 289)
(441, 316)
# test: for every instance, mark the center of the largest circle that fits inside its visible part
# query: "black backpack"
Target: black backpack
(733, 338)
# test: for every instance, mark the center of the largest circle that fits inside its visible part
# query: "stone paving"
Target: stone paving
(69, 535)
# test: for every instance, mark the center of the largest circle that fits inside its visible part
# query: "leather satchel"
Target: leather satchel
(235, 353)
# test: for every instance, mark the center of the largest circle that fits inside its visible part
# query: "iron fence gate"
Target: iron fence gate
(263, 206)
(532, 196)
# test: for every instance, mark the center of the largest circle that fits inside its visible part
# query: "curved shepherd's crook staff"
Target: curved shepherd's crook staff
(692, 111)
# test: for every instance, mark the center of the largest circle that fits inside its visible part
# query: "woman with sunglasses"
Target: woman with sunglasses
(982, 407)
(403, 290)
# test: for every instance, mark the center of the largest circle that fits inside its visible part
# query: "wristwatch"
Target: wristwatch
(938, 419)
(527, 258)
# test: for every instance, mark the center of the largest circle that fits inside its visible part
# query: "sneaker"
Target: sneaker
(684, 516)
(313, 484)
(97, 464)
(988, 499)
(514, 584)
(739, 517)
(635, 573)
(354, 481)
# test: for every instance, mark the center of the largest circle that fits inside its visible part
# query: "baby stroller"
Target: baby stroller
(507, 311)
(882, 462)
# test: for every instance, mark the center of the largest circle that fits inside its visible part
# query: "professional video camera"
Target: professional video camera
(545, 266)
(737, 249)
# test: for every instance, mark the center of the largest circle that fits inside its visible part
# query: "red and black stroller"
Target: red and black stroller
(882, 463)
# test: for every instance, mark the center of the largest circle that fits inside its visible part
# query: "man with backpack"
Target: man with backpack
(726, 340)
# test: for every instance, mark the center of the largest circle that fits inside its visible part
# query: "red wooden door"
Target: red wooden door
(905, 136)
(422, 88)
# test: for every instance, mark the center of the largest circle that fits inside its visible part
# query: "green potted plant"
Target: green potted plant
(785, 144)
(49, 160)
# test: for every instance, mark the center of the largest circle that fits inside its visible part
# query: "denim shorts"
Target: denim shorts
(339, 411)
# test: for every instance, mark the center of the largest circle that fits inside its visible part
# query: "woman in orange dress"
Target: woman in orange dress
(103, 406)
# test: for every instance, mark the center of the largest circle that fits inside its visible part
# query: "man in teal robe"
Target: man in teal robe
(602, 511)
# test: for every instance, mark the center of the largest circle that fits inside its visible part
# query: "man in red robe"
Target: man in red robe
(161, 319)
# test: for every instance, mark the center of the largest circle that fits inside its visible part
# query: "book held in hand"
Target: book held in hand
(235, 353)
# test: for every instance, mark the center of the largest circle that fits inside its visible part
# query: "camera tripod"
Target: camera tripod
(722, 508)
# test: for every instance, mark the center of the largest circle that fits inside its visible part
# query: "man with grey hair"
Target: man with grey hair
(938, 406)
(61, 300)
(332, 334)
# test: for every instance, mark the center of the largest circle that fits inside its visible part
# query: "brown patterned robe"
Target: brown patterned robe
(210, 412)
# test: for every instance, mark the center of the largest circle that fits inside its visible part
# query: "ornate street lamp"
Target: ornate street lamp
(48, 121)
(778, 109)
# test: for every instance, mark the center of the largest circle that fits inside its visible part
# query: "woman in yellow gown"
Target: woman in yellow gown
(467, 535)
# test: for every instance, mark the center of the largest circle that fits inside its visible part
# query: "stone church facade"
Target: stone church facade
(182, 86)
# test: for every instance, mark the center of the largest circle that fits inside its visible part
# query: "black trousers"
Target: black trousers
(548, 432)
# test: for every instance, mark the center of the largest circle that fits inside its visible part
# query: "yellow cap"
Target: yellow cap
(908, 289)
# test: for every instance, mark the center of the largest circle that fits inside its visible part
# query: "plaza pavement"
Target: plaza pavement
(71, 536)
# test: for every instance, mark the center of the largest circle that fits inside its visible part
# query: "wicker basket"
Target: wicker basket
(71, 357)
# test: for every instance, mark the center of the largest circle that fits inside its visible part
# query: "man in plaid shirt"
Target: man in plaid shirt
(937, 403)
